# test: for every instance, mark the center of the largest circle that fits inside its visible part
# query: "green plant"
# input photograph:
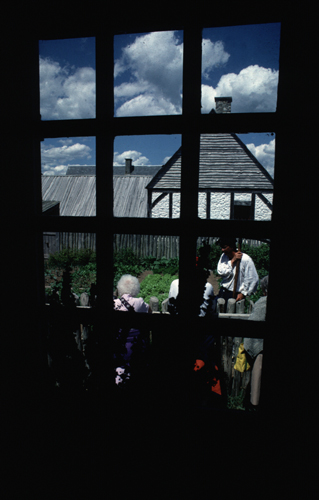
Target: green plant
(156, 285)
(165, 266)
(236, 402)
(125, 262)
(71, 258)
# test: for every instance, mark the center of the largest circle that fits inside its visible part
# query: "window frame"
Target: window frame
(190, 125)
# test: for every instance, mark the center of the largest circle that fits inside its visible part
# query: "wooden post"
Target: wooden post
(154, 304)
(220, 305)
(240, 307)
(237, 270)
(231, 306)
(165, 306)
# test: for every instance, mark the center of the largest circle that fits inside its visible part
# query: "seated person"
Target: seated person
(130, 343)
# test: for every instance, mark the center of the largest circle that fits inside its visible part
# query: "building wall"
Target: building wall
(219, 206)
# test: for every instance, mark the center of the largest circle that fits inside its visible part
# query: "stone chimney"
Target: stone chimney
(223, 104)
(128, 166)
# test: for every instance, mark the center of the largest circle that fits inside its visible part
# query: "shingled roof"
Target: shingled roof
(76, 192)
(225, 165)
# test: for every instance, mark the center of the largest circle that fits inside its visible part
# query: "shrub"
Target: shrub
(156, 285)
(71, 258)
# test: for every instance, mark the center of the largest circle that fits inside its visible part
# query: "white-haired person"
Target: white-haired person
(131, 344)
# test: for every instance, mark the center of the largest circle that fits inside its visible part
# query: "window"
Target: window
(107, 128)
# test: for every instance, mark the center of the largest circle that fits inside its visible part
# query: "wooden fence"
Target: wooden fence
(143, 245)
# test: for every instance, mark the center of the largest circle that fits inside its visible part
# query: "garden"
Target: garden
(155, 274)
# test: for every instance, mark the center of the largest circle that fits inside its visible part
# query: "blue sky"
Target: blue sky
(240, 61)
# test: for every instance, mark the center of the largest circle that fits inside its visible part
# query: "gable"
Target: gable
(225, 164)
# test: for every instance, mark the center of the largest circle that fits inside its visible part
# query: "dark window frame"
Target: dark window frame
(105, 127)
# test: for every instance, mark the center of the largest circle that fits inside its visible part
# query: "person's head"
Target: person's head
(228, 245)
(128, 284)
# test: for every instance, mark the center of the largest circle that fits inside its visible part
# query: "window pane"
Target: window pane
(143, 182)
(68, 180)
(148, 74)
(67, 78)
(214, 258)
(219, 378)
(236, 176)
(241, 62)
(70, 295)
(153, 259)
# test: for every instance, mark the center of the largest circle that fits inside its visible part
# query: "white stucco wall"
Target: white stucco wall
(219, 206)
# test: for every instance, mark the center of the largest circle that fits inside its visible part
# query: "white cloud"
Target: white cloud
(265, 154)
(155, 64)
(136, 156)
(254, 89)
(213, 56)
(56, 159)
(66, 92)
(148, 105)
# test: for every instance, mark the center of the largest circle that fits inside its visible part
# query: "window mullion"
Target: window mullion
(190, 161)
(104, 170)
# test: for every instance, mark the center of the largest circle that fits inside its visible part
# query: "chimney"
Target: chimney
(128, 166)
(223, 104)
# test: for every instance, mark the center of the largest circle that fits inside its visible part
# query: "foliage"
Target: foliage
(71, 258)
(236, 402)
(156, 285)
(125, 262)
(165, 266)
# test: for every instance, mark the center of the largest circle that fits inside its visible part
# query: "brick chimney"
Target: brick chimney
(223, 104)
(128, 166)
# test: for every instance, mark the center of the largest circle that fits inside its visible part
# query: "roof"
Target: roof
(225, 165)
(91, 170)
(81, 170)
(130, 195)
(77, 193)
(49, 205)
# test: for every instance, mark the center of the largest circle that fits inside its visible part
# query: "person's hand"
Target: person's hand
(240, 296)
(237, 256)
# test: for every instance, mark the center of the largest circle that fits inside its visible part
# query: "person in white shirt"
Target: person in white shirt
(248, 280)
(207, 305)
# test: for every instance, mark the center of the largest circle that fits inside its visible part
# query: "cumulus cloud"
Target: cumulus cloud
(56, 159)
(136, 156)
(265, 154)
(213, 56)
(66, 92)
(254, 89)
(155, 65)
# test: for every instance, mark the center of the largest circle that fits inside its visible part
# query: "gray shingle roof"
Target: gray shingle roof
(225, 164)
(77, 194)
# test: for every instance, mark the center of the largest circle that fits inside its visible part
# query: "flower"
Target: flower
(120, 370)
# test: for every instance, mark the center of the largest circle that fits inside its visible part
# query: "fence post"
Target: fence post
(165, 306)
(240, 307)
(231, 306)
(154, 304)
(220, 305)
